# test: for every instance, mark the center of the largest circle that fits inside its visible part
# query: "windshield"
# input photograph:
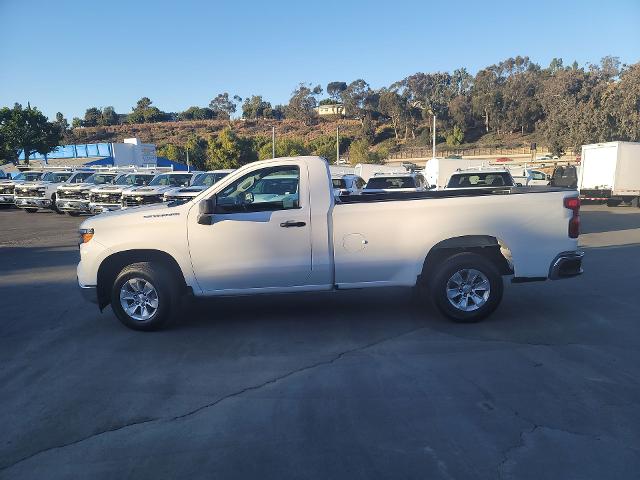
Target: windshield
(479, 179)
(171, 180)
(208, 179)
(134, 179)
(56, 177)
(29, 176)
(101, 178)
(390, 183)
(80, 177)
(339, 183)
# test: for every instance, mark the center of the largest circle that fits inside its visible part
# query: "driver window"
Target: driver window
(264, 190)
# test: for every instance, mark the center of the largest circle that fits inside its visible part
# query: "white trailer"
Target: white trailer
(610, 172)
(439, 170)
(368, 170)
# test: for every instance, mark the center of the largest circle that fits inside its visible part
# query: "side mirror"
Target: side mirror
(206, 210)
(548, 177)
(248, 197)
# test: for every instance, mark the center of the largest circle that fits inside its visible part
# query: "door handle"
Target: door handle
(292, 223)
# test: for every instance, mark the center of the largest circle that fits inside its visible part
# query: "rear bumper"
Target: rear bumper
(33, 202)
(566, 265)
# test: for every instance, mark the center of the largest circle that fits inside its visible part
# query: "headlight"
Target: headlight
(86, 234)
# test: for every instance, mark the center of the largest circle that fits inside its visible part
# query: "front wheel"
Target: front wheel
(144, 296)
(466, 287)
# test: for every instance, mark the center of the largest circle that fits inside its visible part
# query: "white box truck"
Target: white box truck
(610, 172)
(439, 170)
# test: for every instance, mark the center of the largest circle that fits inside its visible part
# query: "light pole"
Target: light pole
(337, 144)
(433, 153)
(273, 142)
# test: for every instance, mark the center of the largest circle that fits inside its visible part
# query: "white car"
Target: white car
(155, 190)
(347, 184)
(202, 181)
(395, 183)
(73, 198)
(275, 227)
(105, 198)
(480, 178)
(31, 196)
(7, 186)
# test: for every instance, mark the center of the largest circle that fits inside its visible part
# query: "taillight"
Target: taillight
(573, 204)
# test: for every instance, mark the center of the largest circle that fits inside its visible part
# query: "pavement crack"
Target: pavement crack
(237, 393)
(80, 440)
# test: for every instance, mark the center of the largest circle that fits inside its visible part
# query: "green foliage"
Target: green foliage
(26, 129)
(228, 150)
(360, 152)
(334, 89)
(196, 113)
(172, 152)
(92, 117)
(144, 112)
(197, 148)
(254, 107)
(285, 147)
(61, 123)
(223, 107)
(302, 103)
(455, 137)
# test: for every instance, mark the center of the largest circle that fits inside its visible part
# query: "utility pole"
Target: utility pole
(188, 164)
(433, 154)
(337, 144)
(273, 142)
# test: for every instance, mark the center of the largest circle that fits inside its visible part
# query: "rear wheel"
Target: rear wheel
(614, 202)
(144, 296)
(466, 287)
(31, 210)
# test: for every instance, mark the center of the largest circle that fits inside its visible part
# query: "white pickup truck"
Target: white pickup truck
(274, 226)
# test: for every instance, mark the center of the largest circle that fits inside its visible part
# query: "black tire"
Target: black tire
(167, 295)
(74, 214)
(54, 207)
(462, 262)
(31, 210)
(613, 203)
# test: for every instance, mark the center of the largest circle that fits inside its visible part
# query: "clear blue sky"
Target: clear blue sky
(69, 55)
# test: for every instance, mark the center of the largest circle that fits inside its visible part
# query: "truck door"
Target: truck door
(260, 235)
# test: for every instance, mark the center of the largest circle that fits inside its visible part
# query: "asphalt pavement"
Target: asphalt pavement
(354, 385)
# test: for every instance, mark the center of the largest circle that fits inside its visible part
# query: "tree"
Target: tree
(61, 123)
(302, 103)
(26, 129)
(170, 151)
(285, 147)
(223, 107)
(455, 137)
(108, 116)
(197, 149)
(145, 112)
(394, 107)
(254, 107)
(224, 151)
(356, 99)
(196, 113)
(76, 122)
(92, 117)
(360, 152)
(334, 89)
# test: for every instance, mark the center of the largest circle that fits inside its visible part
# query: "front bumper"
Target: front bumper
(89, 293)
(73, 205)
(104, 207)
(33, 202)
(566, 265)
(6, 199)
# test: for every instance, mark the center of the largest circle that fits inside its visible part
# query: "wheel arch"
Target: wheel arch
(492, 248)
(114, 263)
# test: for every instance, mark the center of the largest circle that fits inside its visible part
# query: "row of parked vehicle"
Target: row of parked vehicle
(89, 191)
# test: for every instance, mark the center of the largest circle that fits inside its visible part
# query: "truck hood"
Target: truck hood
(188, 191)
(120, 218)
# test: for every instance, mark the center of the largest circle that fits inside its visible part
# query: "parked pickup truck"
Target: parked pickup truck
(274, 226)
(42, 193)
(73, 198)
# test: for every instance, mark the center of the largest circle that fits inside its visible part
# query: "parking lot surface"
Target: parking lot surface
(348, 385)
